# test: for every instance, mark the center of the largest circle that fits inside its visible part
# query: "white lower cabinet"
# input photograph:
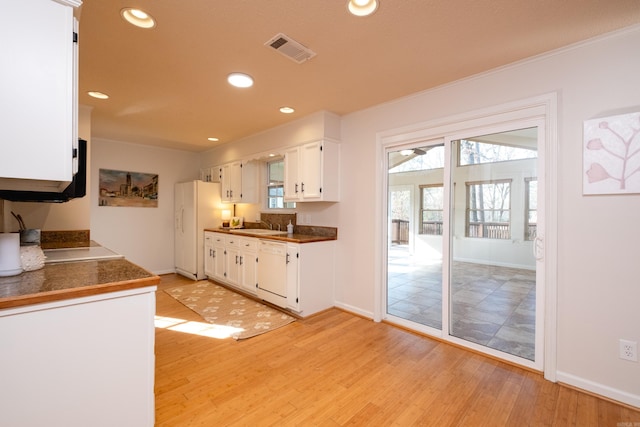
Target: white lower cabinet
(209, 259)
(85, 361)
(231, 260)
(310, 277)
(218, 254)
(248, 265)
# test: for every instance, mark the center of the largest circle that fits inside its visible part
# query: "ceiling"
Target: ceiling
(167, 85)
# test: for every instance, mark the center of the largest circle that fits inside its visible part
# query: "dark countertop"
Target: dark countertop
(69, 280)
(292, 238)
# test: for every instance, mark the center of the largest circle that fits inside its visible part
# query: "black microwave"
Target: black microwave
(77, 188)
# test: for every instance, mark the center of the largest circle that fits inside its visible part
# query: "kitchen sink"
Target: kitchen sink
(258, 231)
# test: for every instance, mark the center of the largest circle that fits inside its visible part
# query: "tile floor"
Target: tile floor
(491, 306)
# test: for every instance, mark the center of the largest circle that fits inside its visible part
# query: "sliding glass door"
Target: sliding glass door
(414, 281)
(492, 289)
(470, 275)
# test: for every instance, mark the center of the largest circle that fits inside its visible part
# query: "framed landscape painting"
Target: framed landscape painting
(128, 189)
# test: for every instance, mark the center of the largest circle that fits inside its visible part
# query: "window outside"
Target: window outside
(489, 209)
(275, 186)
(431, 209)
(476, 152)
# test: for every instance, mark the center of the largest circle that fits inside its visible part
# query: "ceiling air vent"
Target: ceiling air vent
(290, 48)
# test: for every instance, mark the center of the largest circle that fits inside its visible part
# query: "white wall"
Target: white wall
(598, 288)
(143, 235)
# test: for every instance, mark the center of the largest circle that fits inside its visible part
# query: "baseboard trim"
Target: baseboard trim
(354, 310)
(601, 390)
(161, 272)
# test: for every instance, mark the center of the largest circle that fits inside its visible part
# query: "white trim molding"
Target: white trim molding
(600, 389)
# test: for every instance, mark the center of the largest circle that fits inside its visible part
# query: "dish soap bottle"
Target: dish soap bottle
(290, 228)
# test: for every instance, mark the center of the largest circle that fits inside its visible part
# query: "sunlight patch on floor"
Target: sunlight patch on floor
(210, 330)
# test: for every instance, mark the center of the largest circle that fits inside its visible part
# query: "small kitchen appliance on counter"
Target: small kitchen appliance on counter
(10, 263)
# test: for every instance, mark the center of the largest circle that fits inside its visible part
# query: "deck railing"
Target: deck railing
(489, 230)
(400, 231)
(433, 228)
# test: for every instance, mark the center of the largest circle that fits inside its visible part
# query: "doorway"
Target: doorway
(475, 274)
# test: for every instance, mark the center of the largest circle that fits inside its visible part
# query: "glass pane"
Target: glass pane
(276, 171)
(416, 159)
(492, 283)
(500, 147)
(275, 186)
(414, 269)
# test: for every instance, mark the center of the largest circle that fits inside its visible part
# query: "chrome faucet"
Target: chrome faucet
(267, 224)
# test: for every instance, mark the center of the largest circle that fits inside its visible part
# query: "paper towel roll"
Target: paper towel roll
(10, 263)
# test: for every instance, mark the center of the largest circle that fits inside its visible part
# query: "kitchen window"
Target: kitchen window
(275, 186)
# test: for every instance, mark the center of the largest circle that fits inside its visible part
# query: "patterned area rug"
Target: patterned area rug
(223, 307)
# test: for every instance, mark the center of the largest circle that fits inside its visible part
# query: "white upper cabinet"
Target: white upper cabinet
(211, 174)
(239, 182)
(38, 94)
(311, 172)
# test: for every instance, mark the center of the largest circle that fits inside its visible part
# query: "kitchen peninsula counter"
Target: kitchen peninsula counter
(68, 280)
(78, 344)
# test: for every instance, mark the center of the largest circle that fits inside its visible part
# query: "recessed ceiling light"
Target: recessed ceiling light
(138, 17)
(240, 80)
(362, 7)
(212, 139)
(98, 95)
(286, 110)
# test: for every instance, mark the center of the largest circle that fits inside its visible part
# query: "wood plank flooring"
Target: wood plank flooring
(338, 369)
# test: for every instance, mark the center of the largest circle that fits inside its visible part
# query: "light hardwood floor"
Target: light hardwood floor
(338, 369)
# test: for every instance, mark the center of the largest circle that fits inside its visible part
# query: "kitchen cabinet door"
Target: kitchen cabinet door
(239, 182)
(230, 177)
(209, 259)
(312, 172)
(293, 283)
(249, 264)
(232, 262)
(39, 54)
(219, 261)
(310, 279)
(291, 179)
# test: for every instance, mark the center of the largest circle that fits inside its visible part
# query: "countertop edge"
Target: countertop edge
(83, 291)
(293, 238)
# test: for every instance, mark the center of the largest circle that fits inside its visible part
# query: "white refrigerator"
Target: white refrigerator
(197, 206)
